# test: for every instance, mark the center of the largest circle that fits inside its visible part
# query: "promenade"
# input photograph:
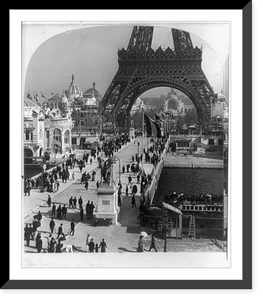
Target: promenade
(37, 201)
(120, 238)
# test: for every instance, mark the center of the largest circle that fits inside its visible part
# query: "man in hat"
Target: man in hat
(72, 227)
(49, 200)
(153, 243)
(60, 230)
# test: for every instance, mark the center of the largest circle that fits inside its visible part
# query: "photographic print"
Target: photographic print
(125, 142)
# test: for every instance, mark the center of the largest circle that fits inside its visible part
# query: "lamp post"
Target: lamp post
(119, 167)
(165, 220)
(138, 143)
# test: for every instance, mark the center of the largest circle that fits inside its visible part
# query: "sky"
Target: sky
(90, 53)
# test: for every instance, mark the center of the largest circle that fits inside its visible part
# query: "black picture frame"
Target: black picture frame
(246, 281)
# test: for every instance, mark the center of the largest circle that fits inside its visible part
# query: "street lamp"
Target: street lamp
(119, 167)
(165, 220)
(138, 143)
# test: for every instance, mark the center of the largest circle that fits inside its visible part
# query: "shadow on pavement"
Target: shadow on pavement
(126, 250)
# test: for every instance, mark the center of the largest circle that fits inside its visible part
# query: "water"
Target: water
(189, 181)
(195, 181)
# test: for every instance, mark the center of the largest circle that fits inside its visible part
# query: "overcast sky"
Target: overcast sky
(90, 53)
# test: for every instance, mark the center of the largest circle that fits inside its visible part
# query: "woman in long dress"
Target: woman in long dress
(140, 245)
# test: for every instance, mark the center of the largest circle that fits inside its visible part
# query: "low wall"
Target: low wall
(193, 166)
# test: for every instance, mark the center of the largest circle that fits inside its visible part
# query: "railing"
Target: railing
(151, 189)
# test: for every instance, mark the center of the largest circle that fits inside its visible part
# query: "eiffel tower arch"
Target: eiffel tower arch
(141, 68)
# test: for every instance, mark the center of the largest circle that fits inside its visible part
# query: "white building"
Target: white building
(138, 106)
(34, 128)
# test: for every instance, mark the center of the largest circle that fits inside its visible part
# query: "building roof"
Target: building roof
(54, 97)
(73, 91)
(92, 92)
(30, 103)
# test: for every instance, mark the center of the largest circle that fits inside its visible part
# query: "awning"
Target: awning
(171, 208)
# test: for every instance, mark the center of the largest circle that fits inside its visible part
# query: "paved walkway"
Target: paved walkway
(117, 234)
(121, 238)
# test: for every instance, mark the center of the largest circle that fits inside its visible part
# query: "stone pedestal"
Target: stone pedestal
(107, 206)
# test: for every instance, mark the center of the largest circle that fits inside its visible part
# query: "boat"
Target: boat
(187, 206)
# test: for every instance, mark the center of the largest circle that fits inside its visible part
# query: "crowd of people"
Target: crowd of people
(49, 181)
(193, 198)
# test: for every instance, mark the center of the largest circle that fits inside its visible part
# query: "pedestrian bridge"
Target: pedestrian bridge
(107, 200)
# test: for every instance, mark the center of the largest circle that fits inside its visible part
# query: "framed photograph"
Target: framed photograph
(130, 137)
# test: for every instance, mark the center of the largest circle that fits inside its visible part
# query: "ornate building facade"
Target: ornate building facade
(60, 122)
(34, 128)
(86, 117)
(58, 125)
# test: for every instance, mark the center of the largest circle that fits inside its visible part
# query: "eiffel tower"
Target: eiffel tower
(141, 69)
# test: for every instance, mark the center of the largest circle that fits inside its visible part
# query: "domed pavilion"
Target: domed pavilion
(73, 91)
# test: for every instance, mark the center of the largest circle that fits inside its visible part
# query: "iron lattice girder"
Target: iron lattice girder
(182, 40)
(141, 38)
(141, 68)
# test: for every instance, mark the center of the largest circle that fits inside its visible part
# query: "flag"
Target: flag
(152, 128)
(171, 208)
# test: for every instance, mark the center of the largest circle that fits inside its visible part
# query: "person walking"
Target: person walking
(103, 246)
(57, 185)
(91, 208)
(140, 245)
(70, 202)
(133, 202)
(64, 212)
(60, 230)
(96, 248)
(72, 227)
(58, 247)
(52, 225)
(37, 238)
(127, 190)
(39, 244)
(81, 213)
(91, 246)
(27, 234)
(97, 184)
(59, 212)
(53, 213)
(88, 238)
(129, 179)
(88, 210)
(31, 232)
(39, 216)
(134, 189)
(153, 244)
(49, 201)
(86, 185)
(80, 202)
(75, 202)
(35, 226)
(52, 245)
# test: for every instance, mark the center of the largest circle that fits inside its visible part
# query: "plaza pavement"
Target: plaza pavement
(128, 215)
